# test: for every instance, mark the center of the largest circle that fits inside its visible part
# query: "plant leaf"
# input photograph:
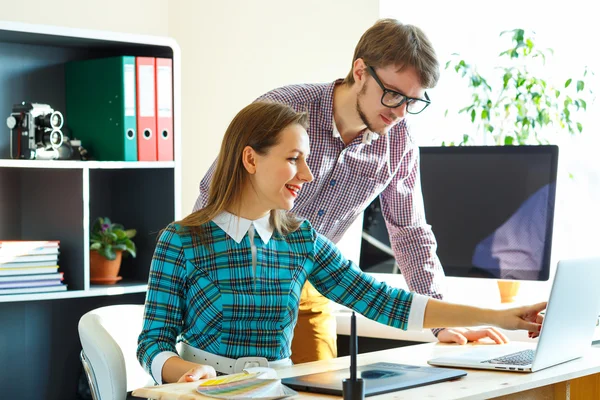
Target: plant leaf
(107, 252)
(121, 235)
(506, 78)
(112, 236)
(131, 248)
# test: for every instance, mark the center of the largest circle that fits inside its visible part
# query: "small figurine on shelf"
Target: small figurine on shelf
(108, 242)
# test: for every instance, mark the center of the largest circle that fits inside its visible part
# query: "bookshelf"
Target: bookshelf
(59, 199)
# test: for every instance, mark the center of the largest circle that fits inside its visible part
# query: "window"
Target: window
(472, 28)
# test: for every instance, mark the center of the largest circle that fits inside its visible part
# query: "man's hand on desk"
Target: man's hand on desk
(465, 335)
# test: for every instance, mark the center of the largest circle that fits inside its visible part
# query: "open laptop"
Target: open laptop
(566, 333)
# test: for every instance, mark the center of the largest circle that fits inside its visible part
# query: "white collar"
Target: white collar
(237, 227)
(367, 136)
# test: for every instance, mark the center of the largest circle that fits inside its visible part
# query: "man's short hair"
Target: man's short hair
(390, 42)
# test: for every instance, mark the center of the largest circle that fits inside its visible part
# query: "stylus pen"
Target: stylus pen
(353, 347)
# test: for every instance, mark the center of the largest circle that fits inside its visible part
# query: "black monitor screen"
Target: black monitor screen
(491, 209)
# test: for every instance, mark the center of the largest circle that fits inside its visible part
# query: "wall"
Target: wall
(148, 17)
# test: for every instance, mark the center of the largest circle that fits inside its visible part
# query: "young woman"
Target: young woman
(226, 280)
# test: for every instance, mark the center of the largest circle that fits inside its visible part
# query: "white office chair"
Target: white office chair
(108, 337)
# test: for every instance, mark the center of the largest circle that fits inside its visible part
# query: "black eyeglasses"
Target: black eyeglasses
(393, 99)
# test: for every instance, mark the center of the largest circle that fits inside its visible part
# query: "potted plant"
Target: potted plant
(519, 103)
(108, 242)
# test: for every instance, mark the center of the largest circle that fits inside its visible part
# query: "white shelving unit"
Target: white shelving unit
(68, 164)
(59, 200)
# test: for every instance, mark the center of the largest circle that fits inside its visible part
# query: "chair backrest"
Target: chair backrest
(108, 337)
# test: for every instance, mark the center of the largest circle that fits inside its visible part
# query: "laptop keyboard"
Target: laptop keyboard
(524, 357)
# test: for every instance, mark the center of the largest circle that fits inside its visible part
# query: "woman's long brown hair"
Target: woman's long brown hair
(258, 125)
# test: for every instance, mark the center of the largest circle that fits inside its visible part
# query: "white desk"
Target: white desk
(479, 292)
(578, 379)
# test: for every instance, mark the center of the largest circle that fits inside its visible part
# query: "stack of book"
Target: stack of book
(30, 267)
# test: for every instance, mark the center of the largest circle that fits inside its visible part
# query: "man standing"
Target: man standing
(361, 149)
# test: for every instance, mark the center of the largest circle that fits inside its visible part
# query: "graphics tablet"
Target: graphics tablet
(379, 378)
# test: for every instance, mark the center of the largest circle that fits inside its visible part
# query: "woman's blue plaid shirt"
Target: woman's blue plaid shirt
(206, 294)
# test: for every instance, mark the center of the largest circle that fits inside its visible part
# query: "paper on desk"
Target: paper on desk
(253, 383)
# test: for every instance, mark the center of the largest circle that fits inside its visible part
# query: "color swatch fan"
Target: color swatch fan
(253, 383)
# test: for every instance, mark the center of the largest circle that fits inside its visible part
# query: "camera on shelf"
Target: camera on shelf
(35, 133)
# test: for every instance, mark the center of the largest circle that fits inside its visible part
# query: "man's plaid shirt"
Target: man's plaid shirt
(347, 178)
(207, 295)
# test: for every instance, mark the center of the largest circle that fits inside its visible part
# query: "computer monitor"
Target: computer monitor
(491, 209)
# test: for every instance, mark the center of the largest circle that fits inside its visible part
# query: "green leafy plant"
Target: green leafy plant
(520, 104)
(107, 238)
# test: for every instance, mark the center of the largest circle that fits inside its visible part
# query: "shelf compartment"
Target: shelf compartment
(138, 199)
(32, 67)
(46, 204)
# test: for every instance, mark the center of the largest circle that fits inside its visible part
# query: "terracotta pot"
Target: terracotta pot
(508, 290)
(104, 271)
